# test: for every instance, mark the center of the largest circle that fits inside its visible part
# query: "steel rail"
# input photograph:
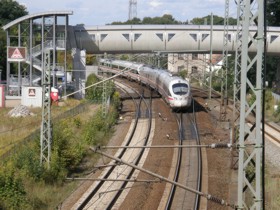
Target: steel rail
(162, 178)
(140, 155)
(217, 96)
(99, 185)
(114, 180)
(178, 163)
(171, 146)
(199, 156)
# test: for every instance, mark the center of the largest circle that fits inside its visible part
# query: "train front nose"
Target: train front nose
(180, 102)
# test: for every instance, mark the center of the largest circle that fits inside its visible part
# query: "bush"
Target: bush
(116, 100)
(93, 128)
(69, 146)
(268, 100)
(27, 160)
(67, 152)
(12, 193)
(95, 92)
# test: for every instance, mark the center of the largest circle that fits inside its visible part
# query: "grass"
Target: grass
(52, 195)
(14, 130)
(272, 186)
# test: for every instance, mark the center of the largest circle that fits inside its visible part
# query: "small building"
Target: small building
(195, 64)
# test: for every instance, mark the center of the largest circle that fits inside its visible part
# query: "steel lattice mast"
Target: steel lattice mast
(237, 82)
(132, 9)
(224, 70)
(104, 99)
(250, 140)
(46, 133)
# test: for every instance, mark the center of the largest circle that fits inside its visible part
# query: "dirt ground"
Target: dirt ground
(221, 183)
(148, 195)
(219, 180)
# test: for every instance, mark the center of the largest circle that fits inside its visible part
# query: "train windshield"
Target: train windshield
(180, 88)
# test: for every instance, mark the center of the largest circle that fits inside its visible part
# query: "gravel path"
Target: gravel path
(272, 154)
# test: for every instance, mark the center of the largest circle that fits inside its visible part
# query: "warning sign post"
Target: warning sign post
(31, 96)
(16, 54)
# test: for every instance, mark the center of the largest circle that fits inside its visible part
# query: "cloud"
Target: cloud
(217, 1)
(96, 12)
(155, 3)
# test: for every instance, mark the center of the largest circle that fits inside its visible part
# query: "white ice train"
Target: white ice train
(174, 89)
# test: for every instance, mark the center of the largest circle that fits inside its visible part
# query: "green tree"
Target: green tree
(91, 59)
(273, 13)
(165, 19)
(12, 193)
(147, 20)
(216, 20)
(9, 11)
(95, 92)
(134, 21)
(273, 19)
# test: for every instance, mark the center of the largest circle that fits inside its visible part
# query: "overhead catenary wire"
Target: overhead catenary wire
(113, 180)
(127, 69)
(208, 196)
(219, 146)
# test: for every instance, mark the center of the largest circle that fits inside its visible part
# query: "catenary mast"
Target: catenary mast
(132, 9)
(250, 138)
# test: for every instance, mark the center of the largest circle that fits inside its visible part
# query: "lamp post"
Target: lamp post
(0, 76)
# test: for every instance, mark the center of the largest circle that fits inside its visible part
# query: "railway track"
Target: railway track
(272, 131)
(117, 179)
(189, 165)
(117, 187)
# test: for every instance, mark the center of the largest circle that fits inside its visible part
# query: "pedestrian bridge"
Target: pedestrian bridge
(162, 38)
(129, 38)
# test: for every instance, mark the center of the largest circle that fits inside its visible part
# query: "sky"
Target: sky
(101, 12)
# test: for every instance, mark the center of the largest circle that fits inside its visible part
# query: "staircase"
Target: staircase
(36, 58)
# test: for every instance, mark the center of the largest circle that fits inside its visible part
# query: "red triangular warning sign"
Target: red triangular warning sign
(31, 92)
(16, 54)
